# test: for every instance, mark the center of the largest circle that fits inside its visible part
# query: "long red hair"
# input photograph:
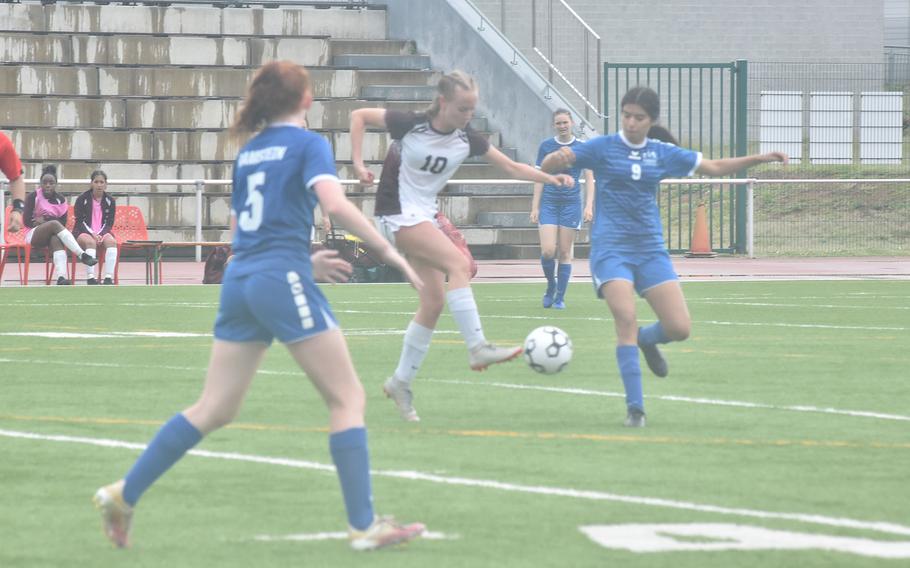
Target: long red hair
(276, 90)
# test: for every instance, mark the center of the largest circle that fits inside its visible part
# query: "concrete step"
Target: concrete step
(505, 218)
(374, 47)
(398, 93)
(155, 81)
(149, 50)
(17, 111)
(414, 62)
(194, 20)
(520, 252)
(488, 235)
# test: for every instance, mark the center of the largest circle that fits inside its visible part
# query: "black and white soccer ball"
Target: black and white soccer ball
(548, 350)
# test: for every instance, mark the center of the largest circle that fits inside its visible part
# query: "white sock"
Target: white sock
(69, 241)
(110, 261)
(416, 344)
(90, 270)
(464, 310)
(59, 263)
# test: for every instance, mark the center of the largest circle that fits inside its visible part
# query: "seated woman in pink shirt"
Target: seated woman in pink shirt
(95, 210)
(45, 217)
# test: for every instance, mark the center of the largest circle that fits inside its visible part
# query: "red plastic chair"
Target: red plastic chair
(15, 242)
(129, 225)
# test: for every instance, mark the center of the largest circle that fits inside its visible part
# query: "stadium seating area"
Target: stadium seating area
(146, 92)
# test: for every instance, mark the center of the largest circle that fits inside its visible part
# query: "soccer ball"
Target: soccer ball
(548, 350)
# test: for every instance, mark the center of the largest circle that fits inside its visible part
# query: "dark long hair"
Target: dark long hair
(649, 101)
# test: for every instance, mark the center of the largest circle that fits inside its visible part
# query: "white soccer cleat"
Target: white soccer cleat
(403, 398)
(116, 515)
(384, 532)
(488, 354)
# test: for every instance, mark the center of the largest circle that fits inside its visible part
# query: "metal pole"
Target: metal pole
(750, 219)
(3, 214)
(742, 90)
(199, 184)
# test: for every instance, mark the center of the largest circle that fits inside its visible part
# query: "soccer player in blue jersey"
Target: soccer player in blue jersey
(628, 254)
(558, 212)
(269, 291)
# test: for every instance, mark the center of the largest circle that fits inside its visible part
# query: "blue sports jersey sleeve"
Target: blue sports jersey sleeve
(541, 153)
(679, 162)
(320, 163)
(587, 154)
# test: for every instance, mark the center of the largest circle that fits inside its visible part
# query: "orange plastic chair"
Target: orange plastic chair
(14, 242)
(129, 225)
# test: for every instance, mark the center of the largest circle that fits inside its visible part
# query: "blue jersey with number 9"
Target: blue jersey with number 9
(626, 217)
(273, 196)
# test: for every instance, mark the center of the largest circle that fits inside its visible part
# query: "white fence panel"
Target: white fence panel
(830, 127)
(881, 133)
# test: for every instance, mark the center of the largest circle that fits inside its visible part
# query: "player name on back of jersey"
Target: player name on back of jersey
(253, 157)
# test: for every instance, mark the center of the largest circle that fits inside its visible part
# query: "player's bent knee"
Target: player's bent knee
(678, 331)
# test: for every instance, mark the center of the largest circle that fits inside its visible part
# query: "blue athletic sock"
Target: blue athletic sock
(166, 448)
(352, 461)
(652, 335)
(562, 280)
(630, 370)
(549, 270)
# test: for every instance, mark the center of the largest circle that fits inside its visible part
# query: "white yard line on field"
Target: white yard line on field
(673, 398)
(571, 493)
(559, 390)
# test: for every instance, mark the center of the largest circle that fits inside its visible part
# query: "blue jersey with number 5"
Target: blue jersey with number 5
(626, 217)
(273, 196)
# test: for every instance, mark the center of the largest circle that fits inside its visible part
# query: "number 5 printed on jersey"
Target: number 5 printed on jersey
(251, 217)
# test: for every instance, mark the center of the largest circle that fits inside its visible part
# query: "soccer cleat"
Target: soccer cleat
(547, 300)
(384, 532)
(108, 281)
(92, 281)
(635, 418)
(88, 260)
(559, 304)
(655, 360)
(488, 354)
(62, 281)
(116, 515)
(403, 398)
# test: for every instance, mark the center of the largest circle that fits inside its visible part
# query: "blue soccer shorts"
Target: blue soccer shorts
(560, 212)
(644, 270)
(272, 304)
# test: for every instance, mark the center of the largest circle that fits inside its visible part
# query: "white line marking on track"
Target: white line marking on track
(877, 526)
(562, 390)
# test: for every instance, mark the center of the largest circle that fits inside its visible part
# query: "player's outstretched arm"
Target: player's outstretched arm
(524, 171)
(17, 192)
(557, 161)
(360, 119)
(335, 204)
(726, 166)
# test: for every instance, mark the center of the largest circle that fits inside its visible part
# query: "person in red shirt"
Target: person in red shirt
(11, 167)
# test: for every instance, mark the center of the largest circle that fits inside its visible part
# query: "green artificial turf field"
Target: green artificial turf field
(788, 410)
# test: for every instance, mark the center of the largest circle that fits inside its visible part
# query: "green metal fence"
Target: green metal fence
(704, 105)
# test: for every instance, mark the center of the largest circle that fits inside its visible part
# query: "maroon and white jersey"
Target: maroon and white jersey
(420, 163)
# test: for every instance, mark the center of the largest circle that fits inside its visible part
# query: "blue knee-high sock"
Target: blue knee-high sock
(562, 280)
(352, 461)
(630, 370)
(174, 439)
(549, 271)
(652, 335)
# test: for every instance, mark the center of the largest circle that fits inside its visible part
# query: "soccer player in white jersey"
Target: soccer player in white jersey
(269, 291)
(433, 144)
(628, 253)
(559, 214)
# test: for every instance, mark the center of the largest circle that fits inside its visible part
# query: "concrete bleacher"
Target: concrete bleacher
(148, 91)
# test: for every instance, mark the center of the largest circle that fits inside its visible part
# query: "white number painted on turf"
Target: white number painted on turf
(636, 172)
(724, 536)
(251, 219)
